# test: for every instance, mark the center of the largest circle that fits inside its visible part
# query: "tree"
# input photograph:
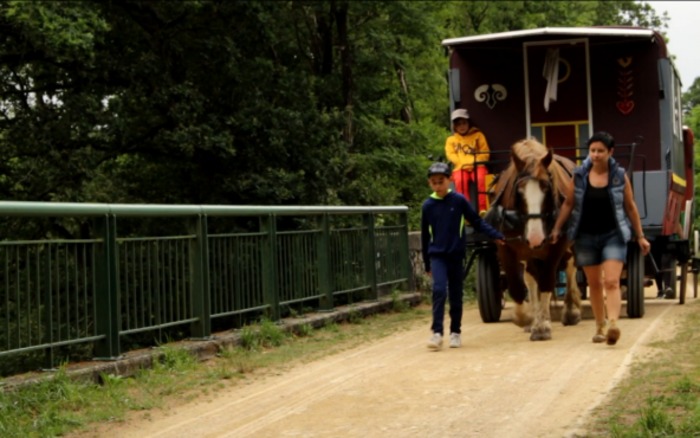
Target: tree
(691, 99)
(246, 102)
(478, 17)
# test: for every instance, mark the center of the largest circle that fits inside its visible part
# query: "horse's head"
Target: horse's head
(534, 190)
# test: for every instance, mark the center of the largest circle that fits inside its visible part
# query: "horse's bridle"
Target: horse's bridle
(515, 220)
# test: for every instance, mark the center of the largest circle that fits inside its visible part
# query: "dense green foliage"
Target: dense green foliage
(245, 102)
(691, 118)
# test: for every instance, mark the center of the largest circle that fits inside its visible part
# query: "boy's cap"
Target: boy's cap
(439, 169)
(460, 114)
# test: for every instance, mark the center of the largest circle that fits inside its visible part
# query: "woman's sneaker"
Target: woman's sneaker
(600, 332)
(613, 334)
(435, 342)
(455, 340)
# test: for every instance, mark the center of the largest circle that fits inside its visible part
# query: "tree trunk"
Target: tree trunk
(341, 19)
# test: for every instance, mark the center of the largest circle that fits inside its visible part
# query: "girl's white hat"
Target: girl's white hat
(460, 114)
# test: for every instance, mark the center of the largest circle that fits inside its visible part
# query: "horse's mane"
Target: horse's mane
(528, 153)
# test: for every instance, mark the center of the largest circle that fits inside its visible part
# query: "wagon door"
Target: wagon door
(557, 93)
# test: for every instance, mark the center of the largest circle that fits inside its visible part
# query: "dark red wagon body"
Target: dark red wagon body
(560, 85)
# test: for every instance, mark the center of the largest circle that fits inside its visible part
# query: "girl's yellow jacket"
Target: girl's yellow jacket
(463, 150)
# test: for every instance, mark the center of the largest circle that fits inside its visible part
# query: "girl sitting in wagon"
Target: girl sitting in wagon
(466, 148)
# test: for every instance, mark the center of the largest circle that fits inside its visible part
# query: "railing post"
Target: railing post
(49, 359)
(371, 257)
(269, 268)
(157, 289)
(324, 265)
(199, 265)
(404, 251)
(107, 319)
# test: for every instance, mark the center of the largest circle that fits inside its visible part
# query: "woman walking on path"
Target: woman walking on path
(603, 214)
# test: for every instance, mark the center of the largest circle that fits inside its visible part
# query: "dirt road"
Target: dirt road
(499, 384)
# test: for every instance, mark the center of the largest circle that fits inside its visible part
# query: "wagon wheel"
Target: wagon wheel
(635, 282)
(684, 283)
(488, 290)
(685, 269)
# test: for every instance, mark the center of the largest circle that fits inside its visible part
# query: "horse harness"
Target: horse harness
(514, 219)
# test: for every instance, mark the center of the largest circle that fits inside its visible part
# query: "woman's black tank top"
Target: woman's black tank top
(598, 216)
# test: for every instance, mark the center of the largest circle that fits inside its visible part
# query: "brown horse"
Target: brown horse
(525, 200)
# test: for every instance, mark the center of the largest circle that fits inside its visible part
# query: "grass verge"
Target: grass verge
(659, 397)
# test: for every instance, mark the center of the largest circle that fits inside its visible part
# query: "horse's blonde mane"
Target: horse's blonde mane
(529, 152)
(529, 149)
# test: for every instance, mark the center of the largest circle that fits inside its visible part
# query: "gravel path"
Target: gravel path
(499, 384)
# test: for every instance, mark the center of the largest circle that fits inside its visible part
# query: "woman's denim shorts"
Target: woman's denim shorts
(594, 249)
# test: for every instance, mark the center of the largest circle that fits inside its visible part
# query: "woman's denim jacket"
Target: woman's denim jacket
(616, 189)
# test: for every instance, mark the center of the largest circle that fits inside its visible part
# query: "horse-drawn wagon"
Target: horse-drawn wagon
(560, 85)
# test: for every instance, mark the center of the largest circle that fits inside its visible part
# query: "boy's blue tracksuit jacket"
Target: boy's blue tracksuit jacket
(442, 226)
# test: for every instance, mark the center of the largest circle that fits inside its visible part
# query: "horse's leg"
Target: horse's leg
(545, 332)
(541, 327)
(572, 300)
(522, 314)
(513, 269)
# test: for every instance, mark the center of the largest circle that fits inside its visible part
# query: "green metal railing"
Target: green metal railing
(185, 267)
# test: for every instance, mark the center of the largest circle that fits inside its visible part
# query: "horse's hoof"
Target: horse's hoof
(523, 321)
(571, 318)
(541, 335)
(669, 294)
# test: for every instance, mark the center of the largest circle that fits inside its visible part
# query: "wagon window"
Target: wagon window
(677, 113)
(537, 132)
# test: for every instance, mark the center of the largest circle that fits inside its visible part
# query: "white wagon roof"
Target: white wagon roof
(633, 32)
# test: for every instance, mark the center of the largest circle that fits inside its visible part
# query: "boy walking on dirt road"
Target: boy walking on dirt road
(443, 243)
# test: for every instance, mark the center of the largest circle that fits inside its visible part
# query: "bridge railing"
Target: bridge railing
(139, 273)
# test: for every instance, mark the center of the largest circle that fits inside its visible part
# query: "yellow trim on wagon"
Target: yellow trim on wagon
(679, 180)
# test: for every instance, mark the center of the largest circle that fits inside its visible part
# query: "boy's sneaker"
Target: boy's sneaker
(435, 342)
(455, 340)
